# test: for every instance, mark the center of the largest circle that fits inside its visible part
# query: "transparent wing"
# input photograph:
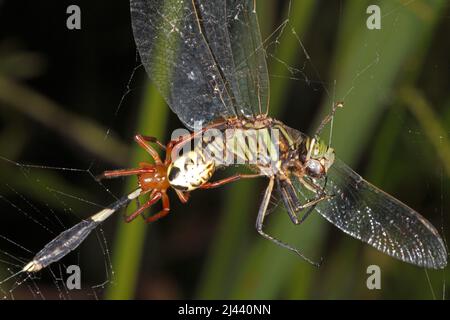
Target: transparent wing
(185, 48)
(249, 56)
(371, 215)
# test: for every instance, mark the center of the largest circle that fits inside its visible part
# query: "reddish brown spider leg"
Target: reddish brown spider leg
(153, 140)
(173, 147)
(210, 185)
(154, 197)
(123, 172)
(143, 143)
(184, 196)
(165, 210)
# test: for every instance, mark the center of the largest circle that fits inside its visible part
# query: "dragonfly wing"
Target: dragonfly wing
(373, 216)
(179, 60)
(249, 56)
(185, 47)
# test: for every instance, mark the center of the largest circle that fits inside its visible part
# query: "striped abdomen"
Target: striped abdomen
(242, 146)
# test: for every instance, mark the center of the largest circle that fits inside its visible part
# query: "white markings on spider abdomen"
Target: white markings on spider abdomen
(190, 171)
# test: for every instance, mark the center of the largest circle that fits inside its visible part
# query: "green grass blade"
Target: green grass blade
(429, 122)
(366, 66)
(84, 132)
(129, 241)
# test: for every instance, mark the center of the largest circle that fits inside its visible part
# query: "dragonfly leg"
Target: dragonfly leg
(260, 221)
(154, 197)
(165, 210)
(143, 142)
(289, 197)
(292, 203)
(311, 204)
(210, 185)
(328, 117)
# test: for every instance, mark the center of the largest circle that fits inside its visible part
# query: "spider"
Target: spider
(188, 172)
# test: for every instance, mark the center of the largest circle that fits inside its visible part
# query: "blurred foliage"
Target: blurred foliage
(393, 129)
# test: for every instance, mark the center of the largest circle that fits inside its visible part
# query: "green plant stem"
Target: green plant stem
(130, 238)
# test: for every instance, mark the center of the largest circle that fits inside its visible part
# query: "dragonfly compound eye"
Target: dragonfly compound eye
(314, 168)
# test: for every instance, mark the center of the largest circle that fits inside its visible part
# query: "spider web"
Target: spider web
(46, 221)
(61, 209)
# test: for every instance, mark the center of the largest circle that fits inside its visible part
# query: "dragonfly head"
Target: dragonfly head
(316, 157)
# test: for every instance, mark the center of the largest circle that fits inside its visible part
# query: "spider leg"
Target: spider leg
(153, 140)
(123, 172)
(141, 140)
(210, 185)
(184, 196)
(174, 146)
(144, 167)
(138, 204)
(165, 210)
(154, 197)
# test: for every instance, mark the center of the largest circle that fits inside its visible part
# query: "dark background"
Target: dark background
(71, 99)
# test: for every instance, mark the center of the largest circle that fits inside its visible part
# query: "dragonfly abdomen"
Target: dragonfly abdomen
(259, 144)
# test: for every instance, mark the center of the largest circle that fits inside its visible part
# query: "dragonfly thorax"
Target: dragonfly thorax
(190, 171)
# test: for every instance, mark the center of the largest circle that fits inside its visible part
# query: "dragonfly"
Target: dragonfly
(208, 61)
